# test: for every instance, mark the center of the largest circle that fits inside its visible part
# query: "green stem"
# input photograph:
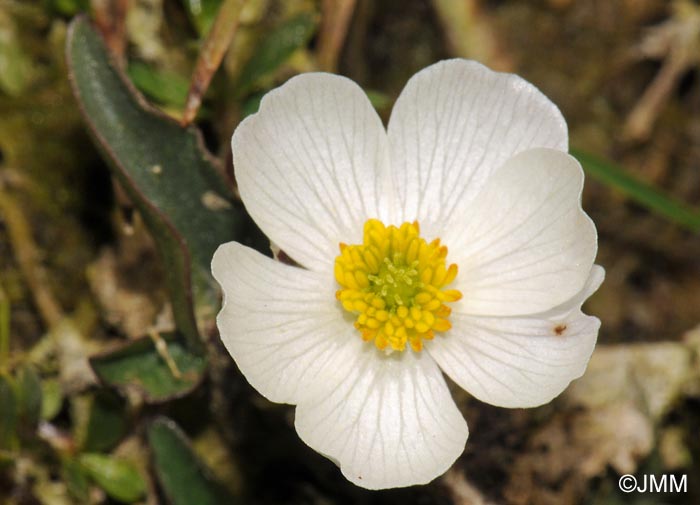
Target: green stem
(643, 193)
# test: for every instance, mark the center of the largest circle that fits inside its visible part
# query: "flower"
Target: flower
(454, 241)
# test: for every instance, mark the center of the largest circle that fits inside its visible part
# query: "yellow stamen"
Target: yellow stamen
(395, 282)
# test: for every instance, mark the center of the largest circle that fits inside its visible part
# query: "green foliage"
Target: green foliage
(642, 193)
(202, 13)
(106, 422)
(20, 406)
(15, 65)
(51, 398)
(378, 99)
(29, 395)
(8, 413)
(119, 478)
(166, 88)
(184, 479)
(69, 7)
(76, 479)
(164, 168)
(139, 365)
(174, 184)
(275, 49)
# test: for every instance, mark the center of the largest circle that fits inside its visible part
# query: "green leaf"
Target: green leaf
(252, 104)
(69, 7)
(15, 66)
(51, 398)
(183, 478)
(276, 48)
(166, 88)
(29, 397)
(138, 365)
(106, 422)
(165, 170)
(76, 479)
(8, 412)
(378, 99)
(119, 478)
(202, 13)
(641, 192)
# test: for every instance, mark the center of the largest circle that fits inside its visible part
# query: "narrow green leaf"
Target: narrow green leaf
(276, 48)
(166, 88)
(202, 13)
(106, 424)
(165, 170)
(51, 398)
(138, 365)
(641, 192)
(15, 65)
(29, 395)
(183, 478)
(69, 7)
(8, 412)
(76, 479)
(119, 478)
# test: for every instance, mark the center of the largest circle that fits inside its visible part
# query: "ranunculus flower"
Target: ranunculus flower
(454, 242)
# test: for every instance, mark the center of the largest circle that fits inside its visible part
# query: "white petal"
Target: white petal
(595, 279)
(520, 361)
(388, 421)
(525, 245)
(279, 323)
(456, 122)
(308, 165)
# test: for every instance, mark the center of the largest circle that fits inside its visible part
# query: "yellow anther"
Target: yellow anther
(432, 305)
(389, 328)
(451, 274)
(443, 311)
(421, 327)
(394, 281)
(423, 298)
(361, 278)
(358, 306)
(442, 325)
(416, 344)
(427, 275)
(452, 295)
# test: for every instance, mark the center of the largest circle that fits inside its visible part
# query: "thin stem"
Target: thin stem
(641, 192)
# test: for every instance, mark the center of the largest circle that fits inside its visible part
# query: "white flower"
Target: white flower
(359, 337)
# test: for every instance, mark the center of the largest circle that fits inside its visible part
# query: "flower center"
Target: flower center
(394, 281)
